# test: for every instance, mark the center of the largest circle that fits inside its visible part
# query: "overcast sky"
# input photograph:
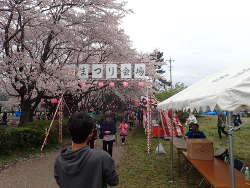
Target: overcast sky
(203, 36)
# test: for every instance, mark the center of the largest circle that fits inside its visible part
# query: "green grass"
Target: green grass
(142, 170)
(241, 138)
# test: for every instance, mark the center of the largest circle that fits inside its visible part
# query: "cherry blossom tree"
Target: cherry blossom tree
(41, 37)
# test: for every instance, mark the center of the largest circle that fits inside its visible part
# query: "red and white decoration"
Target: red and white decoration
(167, 120)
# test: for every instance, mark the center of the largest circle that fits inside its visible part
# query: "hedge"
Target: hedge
(22, 138)
(31, 135)
(3, 140)
(44, 124)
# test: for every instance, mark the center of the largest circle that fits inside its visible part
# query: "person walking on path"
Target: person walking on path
(123, 131)
(91, 142)
(236, 120)
(79, 166)
(108, 131)
(221, 123)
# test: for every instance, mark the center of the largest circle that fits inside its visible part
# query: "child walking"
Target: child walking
(123, 131)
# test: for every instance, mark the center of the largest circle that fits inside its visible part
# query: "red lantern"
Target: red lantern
(133, 101)
(54, 101)
(125, 84)
(141, 84)
(112, 84)
(100, 84)
(82, 85)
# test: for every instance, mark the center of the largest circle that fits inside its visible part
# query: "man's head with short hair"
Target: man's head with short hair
(195, 127)
(80, 127)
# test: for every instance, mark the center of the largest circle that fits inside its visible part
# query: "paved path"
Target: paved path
(38, 172)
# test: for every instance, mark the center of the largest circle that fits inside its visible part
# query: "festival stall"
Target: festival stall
(228, 91)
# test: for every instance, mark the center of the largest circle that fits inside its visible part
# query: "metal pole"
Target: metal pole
(170, 63)
(172, 148)
(170, 72)
(230, 140)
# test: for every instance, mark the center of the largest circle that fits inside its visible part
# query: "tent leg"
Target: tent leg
(230, 139)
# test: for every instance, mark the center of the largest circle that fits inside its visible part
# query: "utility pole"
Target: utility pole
(170, 71)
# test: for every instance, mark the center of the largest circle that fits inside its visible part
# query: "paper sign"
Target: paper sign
(126, 71)
(111, 71)
(139, 71)
(83, 71)
(97, 71)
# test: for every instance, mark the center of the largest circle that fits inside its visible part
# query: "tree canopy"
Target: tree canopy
(170, 92)
(40, 38)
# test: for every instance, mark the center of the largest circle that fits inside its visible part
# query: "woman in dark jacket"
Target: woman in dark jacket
(108, 131)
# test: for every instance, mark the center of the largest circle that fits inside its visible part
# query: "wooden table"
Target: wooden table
(217, 172)
(180, 145)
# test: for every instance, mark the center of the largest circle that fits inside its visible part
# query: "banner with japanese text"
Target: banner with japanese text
(83, 71)
(111, 71)
(97, 71)
(139, 71)
(126, 71)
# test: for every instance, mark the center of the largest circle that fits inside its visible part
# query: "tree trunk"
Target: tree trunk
(27, 113)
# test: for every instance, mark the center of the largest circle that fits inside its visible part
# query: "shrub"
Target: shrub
(3, 140)
(21, 138)
(30, 135)
(44, 124)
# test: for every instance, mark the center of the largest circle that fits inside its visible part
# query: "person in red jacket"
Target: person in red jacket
(123, 131)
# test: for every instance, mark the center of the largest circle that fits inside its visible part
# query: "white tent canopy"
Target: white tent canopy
(228, 90)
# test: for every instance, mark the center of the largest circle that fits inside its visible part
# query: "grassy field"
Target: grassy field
(142, 170)
(241, 137)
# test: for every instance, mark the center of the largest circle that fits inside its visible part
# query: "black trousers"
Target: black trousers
(221, 130)
(108, 146)
(91, 144)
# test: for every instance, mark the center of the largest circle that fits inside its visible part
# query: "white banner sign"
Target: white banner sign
(139, 71)
(97, 71)
(111, 71)
(83, 71)
(126, 71)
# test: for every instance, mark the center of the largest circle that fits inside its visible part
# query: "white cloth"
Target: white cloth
(109, 137)
(191, 119)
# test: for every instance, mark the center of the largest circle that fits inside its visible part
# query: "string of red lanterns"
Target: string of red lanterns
(112, 84)
(99, 84)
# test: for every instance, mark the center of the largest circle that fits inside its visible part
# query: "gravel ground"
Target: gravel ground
(38, 172)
